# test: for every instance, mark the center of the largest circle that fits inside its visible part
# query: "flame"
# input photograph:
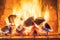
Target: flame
(27, 30)
(28, 8)
(46, 14)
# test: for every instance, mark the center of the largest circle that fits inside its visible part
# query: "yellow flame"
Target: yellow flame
(46, 14)
(7, 21)
(28, 8)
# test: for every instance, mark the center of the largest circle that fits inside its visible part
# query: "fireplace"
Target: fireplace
(29, 18)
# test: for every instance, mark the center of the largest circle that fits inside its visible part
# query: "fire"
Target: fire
(28, 8)
(27, 30)
(46, 14)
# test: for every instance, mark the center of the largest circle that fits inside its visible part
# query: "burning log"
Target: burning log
(47, 27)
(11, 18)
(6, 30)
(30, 26)
(29, 22)
(39, 20)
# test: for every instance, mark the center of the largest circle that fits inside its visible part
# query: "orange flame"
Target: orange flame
(28, 8)
(46, 14)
